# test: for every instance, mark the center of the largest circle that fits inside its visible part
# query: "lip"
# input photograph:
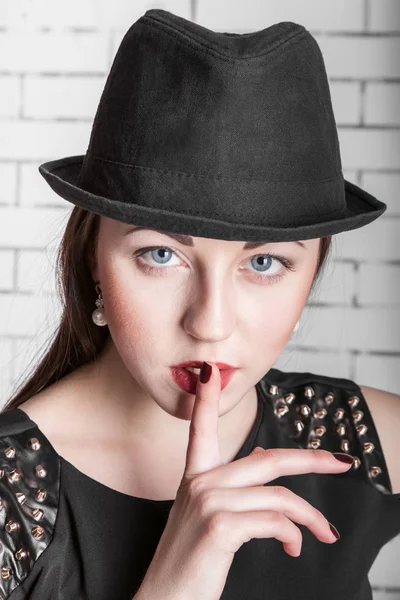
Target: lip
(187, 381)
(198, 363)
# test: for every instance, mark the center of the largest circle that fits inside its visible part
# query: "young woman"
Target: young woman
(204, 212)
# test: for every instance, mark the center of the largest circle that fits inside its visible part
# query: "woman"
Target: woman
(124, 475)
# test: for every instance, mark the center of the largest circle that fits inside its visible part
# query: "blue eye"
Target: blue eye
(262, 261)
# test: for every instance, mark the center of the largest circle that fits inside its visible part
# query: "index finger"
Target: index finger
(203, 449)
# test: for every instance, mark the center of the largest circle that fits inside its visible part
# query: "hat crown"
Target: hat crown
(223, 135)
(182, 98)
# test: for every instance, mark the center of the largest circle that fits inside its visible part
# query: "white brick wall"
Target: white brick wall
(54, 60)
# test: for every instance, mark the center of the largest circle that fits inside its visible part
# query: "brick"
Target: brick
(385, 187)
(7, 266)
(8, 178)
(381, 372)
(35, 191)
(362, 329)
(62, 97)
(9, 96)
(384, 15)
(369, 57)
(322, 15)
(370, 148)
(379, 284)
(43, 140)
(28, 315)
(337, 285)
(382, 102)
(384, 571)
(6, 356)
(31, 228)
(49, 52)
(378, 240)
(331, 364)
(36, 272)
(125, 12)
(346, 102)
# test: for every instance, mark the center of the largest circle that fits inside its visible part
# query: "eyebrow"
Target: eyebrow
(187, 240)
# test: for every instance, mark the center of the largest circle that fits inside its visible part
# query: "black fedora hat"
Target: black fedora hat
(219, 135)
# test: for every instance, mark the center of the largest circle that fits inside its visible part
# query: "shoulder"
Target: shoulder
(385, 410)
(339, 415)
(29, 494)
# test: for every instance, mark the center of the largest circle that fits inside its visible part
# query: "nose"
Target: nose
(211, 317)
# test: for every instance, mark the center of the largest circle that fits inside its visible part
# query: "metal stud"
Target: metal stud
(273, 390)
(6, 572)
(320, 430)
(368, 447)
(11, 526)
(21, 497)
(329, 398)
(339, 413)
(374, 471)
(305, 410)
(34, 443)
(40, 471)
(357, 463)
(289, 398)
(2, 473)
(320, 413)
(37, 514)
(21, 553)
(40, 494)
(281, 410)
(38, 532)
(341, 429)
(353, 401)
(309, 392)
(361, 429)
(357, 416)
(345, 445)
(16, 474)
(314, 443)
(299, 425)
(10, 452)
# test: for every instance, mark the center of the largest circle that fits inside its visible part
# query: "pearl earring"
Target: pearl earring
(98, 314)
(296, 326)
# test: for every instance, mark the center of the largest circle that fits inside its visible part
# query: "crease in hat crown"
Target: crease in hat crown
(190, 136)
(229, 45)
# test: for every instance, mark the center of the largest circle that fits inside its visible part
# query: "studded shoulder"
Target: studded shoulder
(330, 413)
(29, 496)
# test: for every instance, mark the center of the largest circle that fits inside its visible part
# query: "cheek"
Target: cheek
(273, 319)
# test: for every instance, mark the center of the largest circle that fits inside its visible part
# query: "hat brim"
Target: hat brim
(62, 176)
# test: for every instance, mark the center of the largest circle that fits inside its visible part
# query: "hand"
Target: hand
(220, 506)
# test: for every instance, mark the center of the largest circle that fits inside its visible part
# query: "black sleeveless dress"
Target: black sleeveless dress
(66, 536)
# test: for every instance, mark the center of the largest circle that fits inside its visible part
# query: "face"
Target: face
(212, 301)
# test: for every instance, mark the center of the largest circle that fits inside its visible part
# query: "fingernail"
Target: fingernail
(343, 457)
(334, 531)
(205, 372)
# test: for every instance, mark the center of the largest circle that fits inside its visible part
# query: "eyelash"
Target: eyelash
(268, 279)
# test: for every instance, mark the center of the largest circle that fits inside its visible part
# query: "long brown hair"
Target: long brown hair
(77, 340)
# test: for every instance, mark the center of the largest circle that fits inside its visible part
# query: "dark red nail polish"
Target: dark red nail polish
(205, 372)
(334, 531)
(343, 457)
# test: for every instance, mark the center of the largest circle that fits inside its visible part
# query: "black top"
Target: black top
(66, 536)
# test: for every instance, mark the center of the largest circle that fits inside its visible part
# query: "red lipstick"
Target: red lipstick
(187, 380)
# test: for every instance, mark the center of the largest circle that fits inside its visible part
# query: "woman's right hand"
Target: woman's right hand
(219, 507)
